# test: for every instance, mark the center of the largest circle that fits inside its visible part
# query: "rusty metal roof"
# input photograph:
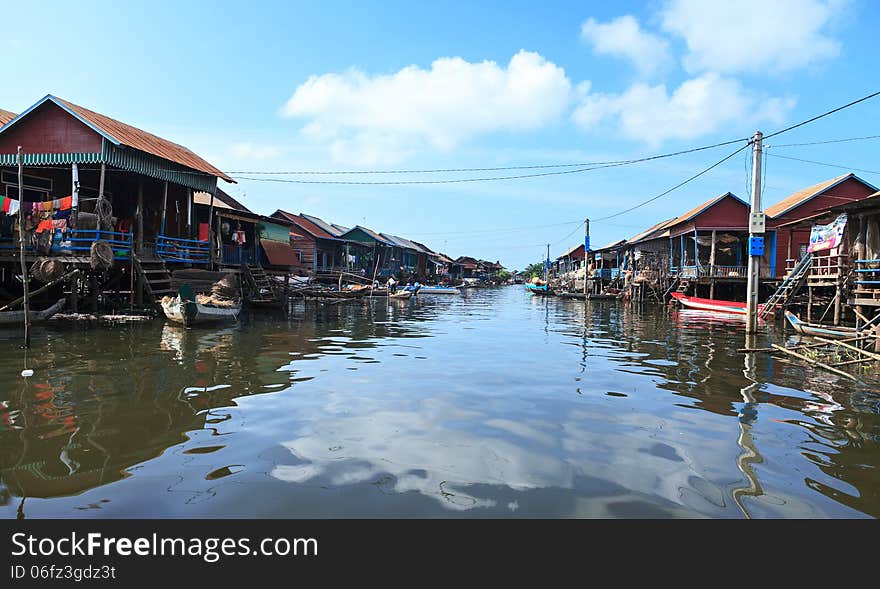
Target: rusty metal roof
(120, 133)
(278, 253)
(6, 116)
(306, 224)
(801, 196)
(222, 200)
(652, 232)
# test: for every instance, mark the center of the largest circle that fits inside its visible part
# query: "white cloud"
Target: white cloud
(623, 37)
(698, 107)
(753, 35)
(383, 118)
(252, 151)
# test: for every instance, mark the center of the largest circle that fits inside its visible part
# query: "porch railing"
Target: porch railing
(706, 271)
(185, 251)
(78, 242)
(236, 255)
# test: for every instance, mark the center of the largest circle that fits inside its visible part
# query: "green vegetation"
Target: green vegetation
(503, 275)
(536, 269)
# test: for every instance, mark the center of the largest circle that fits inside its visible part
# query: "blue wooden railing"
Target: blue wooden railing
(78, 242)
(188, 251)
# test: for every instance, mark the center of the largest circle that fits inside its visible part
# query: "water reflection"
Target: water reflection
(495, 404)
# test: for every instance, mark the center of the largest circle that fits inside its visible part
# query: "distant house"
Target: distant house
(787, 235)
(378, 251)
(571, 260)
(710, 240)
(318, 245)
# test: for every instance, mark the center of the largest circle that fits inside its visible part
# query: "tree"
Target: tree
(536, 269)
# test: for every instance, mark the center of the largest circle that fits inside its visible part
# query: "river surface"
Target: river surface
(494, 404)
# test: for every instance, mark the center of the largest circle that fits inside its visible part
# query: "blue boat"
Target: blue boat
(813, 329)
(432, 289)
(538, 289)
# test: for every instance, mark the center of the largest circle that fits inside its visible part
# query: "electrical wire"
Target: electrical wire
(865, 138)
(797, 159)
(676, 187)
(824, 114)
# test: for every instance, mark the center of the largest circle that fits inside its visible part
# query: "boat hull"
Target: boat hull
(190, 313)
(812, 329)
(714, 305)
(433, 290)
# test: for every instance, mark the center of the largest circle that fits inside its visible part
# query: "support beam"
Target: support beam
(754, 266)
(140, 217)
(164, 208)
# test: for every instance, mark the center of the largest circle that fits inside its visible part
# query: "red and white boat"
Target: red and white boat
(716, 305)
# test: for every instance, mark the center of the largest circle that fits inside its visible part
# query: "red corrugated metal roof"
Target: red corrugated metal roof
(6, 116)
(305, 224)
(802, 196)
(141, 140)
(278, 253)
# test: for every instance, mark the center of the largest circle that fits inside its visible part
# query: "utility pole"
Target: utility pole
(24, 272)
(756, 238)
(586, 253)
(547, 264)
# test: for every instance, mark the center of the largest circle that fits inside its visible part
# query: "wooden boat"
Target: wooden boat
(401, 294)
(10, 317)
(538, 289)
(804, 328)
(716, 305)
(184, 309)
(433, 289)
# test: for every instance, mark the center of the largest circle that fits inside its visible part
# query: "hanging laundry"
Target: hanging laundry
(203, 232)
(45, 225)
(238, 237)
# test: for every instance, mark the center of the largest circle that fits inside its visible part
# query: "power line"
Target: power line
(495, 178)
(570, 234)
(825, 142)
(824, 114)
(676, 187)
(797, 159)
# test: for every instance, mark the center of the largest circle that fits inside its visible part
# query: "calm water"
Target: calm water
(497, 404)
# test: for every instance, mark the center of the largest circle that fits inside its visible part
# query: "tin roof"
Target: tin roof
(6, 116)
(306, 224)
(570, 250)
(652, 232)
(376, 236)
(801, 196)
(611, 245)
(120, 133)
(221, 200)
(327, 227)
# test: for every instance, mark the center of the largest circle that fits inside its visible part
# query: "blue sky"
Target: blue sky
(280, 86)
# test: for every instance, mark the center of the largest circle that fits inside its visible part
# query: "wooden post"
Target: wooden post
(140, 217)
(100, 200)
(189, 210)
(24, 271)
(164, 208)
(712, 266)
(809, 303)
(74, 193)
(211, 228)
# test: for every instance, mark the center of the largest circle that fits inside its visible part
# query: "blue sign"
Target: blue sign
(756, 246)
(586, 243)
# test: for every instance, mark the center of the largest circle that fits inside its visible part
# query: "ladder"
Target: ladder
(155, 275)
(261, 287)
(788, 288)
(683, 285)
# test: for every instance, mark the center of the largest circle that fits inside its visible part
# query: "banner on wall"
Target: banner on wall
(826, 237)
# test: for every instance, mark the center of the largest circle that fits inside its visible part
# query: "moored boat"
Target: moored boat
(833, 331)
(538, 289)
(433, 289)
(185, 309)
(716, 305)
(401, 294)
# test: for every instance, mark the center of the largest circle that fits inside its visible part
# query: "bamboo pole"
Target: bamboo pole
(814, 362)
(46, 286)
(850, 347)
(849, 362)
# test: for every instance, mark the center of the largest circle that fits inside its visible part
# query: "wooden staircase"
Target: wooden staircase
(155, 276)
(262, 289)
(788, 288)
